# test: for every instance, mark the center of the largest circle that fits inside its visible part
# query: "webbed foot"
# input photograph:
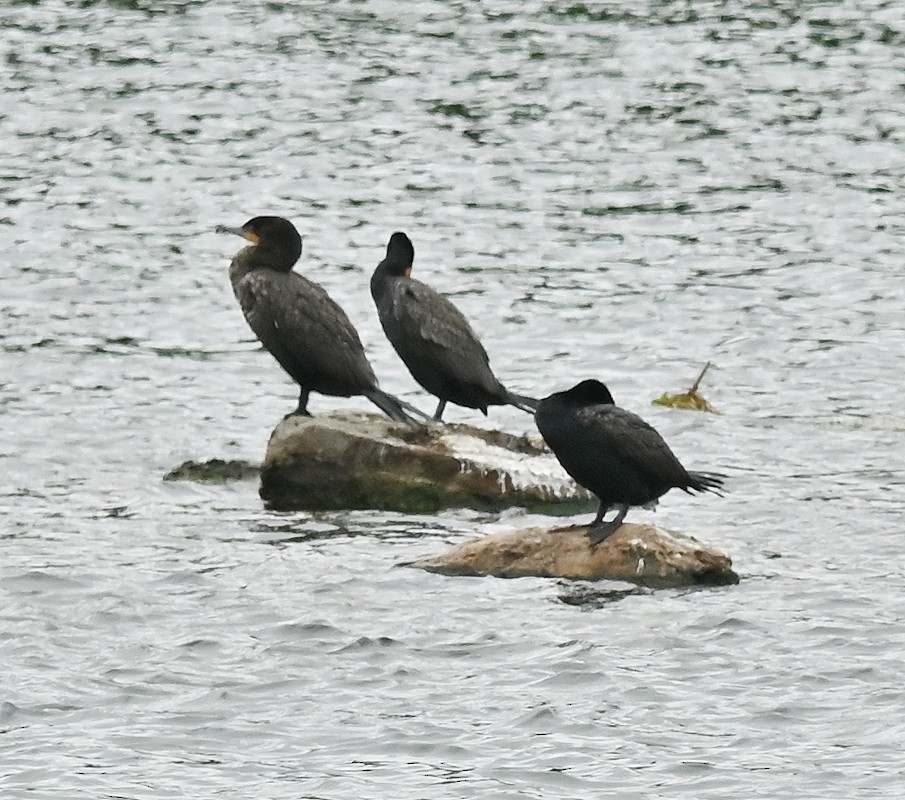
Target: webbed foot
(599, 531)
(299, 412)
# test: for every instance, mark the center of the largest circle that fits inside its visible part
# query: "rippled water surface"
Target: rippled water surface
(620, 190)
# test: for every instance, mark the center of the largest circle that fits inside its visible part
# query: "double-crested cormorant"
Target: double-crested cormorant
(613, 453)
(298, 322)
(433, 338)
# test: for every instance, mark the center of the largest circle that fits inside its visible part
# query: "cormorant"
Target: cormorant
(433, 338)
(613, 453)
(298, 322)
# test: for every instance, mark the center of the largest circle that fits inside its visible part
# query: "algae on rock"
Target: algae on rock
(367, 461)
(216, 470)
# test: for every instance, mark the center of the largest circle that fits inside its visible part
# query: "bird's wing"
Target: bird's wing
(632, 440)
(303, 327)
(425, 315)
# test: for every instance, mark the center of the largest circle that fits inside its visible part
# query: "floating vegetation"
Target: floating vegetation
(690, 400)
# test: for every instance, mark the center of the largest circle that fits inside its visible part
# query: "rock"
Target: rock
(641, 554)
(214, 471)
(369, 461)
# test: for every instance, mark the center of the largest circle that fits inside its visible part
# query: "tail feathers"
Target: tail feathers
(522, 402)
(705, 482)
(394, 408)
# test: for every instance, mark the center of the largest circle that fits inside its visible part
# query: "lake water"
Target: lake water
(611, 190)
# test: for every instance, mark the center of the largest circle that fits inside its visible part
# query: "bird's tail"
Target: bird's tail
(395, 408)
(705, 482)
(522, 402)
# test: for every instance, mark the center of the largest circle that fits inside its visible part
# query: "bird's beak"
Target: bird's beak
(252, 237)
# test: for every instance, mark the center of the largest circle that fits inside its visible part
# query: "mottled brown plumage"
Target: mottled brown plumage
(298, 322)
(433, 338)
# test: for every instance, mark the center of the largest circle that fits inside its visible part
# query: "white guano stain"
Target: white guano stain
(520, 470)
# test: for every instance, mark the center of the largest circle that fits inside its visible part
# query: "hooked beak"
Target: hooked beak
(252, 237)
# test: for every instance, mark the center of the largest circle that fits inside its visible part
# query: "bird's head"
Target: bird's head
(277, 242)
(400, 255)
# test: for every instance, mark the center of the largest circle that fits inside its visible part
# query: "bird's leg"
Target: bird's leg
(438, 414)
(601, 511)
(302, 410)
(600, 531)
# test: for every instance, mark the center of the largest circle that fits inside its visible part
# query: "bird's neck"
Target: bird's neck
(245, 261)
(380, 280)
(252, 258)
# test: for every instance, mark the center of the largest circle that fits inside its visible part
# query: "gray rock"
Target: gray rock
(640, 554)
(368, 461)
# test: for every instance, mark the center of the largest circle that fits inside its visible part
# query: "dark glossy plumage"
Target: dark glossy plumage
(433, 338)
(298, 322)
(613, 453)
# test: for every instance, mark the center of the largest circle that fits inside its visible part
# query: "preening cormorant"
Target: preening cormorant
(613, 453)
(298, 322)
(433, 338)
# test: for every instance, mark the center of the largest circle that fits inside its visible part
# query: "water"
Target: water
(606, 189)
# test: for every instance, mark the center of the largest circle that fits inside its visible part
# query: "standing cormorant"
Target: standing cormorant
(298, 322)
(433, 338)
(613, 453)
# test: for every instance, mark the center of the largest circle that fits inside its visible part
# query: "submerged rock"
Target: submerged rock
(368, 461)
(641, 554)
(216, 470)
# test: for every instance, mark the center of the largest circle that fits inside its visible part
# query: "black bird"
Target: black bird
(298, 322)
(613, 453)
(433, 338)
